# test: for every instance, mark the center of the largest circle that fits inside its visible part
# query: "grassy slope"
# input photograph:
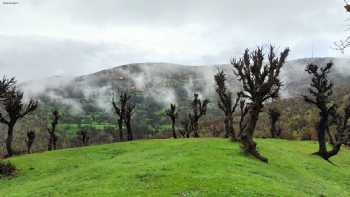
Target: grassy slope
(183, 167)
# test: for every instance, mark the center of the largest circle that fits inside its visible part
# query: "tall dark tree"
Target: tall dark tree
(52, 145)
(186, 127)
(30, 140)
(14, 109)
(83, 137)
(129, 111)
(260, 82)
(321, 91)
(172, 114)
(226, 103)
(5, 85)
(199, 109)
(274, 116)
(124, 98)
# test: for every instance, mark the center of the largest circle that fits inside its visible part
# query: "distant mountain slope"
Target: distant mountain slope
(154, 86)
(161, 76)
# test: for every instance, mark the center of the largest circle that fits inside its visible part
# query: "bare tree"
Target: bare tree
(226, 103)
(274, 115)
(30, 140)
(186, 127)
(260, 82)
(83, 137)
(321, 90)
(120, 111)
(5, 85)
(129, 111)
(14, 109)
(199, 109)
(52, 145)
(172, 114)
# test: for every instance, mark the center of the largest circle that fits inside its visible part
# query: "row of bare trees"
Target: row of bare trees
(190, 122)
(261, 82)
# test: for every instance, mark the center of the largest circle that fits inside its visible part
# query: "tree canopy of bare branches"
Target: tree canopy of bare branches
(14, 108)
(260, 82)
(199, 109)
(321, 91)
(124, 110)
(226, 103)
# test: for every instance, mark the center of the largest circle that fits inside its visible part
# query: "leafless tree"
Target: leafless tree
(321, 91)
(124, 98)
(30, 140)
(226, 103)
(274, 115)
(52, 145)
(83, 137)
(13, 109)
(199, 109)
(186, 127)
(172, 114)
(260, 82)
(129, 111)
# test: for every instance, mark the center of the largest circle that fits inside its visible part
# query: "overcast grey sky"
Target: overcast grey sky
(40, 38)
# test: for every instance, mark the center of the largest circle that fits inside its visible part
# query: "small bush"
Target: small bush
(7, 169)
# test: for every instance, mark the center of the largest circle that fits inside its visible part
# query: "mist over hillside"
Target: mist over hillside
(167, 83)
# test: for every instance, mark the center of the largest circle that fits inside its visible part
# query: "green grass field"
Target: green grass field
(182, 167)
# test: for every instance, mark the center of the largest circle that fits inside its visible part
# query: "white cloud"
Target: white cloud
(75, 37)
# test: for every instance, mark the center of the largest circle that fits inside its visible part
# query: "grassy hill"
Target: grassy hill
(183, 167)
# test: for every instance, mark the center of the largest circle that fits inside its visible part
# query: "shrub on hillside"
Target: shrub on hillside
(7, 169)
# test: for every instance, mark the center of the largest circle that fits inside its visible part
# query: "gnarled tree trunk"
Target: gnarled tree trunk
(9, 140)
(246, 135)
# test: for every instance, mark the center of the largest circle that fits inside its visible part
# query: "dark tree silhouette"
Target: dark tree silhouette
(199, 109)
(12, 101)
(274, 115)
(226, 103)
(120, 111)
(172, 114)
(52, 145)
(260, 82)
(83, 137)
(129, 111)
(186, 127)
(321, 90)
(5, 85)
(30, 140)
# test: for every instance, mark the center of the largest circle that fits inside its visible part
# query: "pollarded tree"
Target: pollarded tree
(260, 82)
(30, 140)
(15, 109)
(199, 109)
(52, 145)
(5, 85)
(226, 103)
(186, 127)
(129, 111)
(274, 116)
(172, 114)
(83, 137)
(124, 98)
(321, 90)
